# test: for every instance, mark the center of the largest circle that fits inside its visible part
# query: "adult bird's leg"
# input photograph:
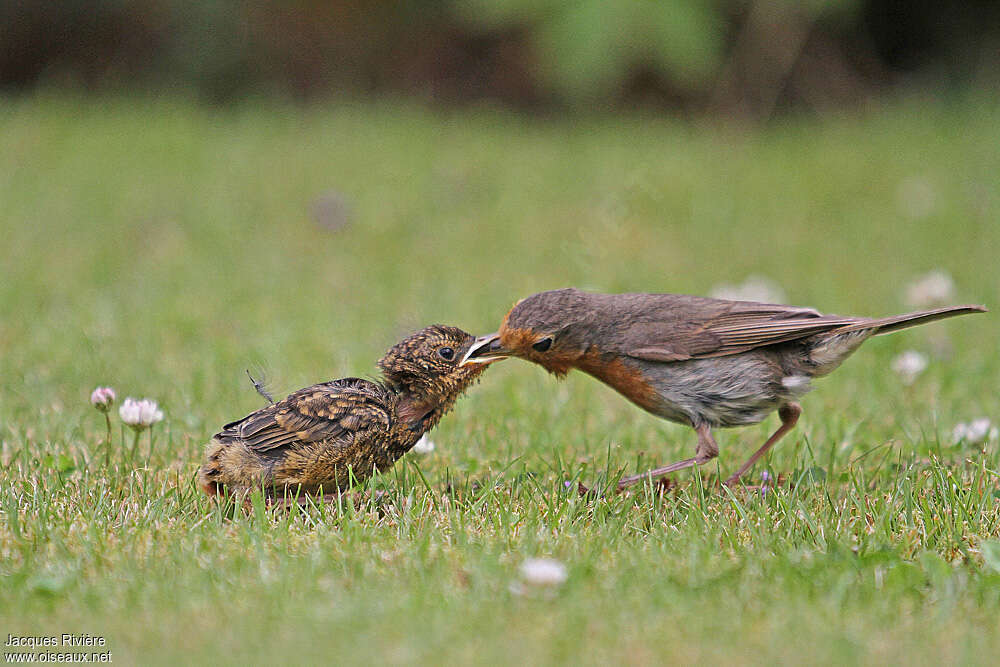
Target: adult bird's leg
(706, 451)
(789, 414)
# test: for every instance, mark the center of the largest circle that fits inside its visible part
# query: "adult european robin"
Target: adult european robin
(702, 362)
(320, 438)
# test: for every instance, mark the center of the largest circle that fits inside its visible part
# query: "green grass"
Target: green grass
(162, 248)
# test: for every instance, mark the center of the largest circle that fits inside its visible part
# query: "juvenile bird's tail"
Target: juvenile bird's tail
(886, 325)
(210, 472)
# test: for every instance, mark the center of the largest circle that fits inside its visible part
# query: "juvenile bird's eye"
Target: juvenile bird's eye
(543, 345)
(446, 353)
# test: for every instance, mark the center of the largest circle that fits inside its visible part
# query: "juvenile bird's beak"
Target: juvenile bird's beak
(485, 350)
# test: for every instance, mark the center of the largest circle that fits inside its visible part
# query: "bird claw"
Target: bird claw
(661, 485)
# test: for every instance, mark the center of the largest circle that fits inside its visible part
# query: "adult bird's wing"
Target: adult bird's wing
(715, 328)
(325, 411)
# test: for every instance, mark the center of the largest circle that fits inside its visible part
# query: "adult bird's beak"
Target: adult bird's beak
(485, 350)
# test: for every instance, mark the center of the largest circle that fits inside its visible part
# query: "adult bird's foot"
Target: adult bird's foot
(660, 485)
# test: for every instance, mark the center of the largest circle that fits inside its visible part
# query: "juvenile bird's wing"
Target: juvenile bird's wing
(714, 328)
(322, 412)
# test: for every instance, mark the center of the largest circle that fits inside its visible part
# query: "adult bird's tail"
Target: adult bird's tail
(831, 348)
(886, 325)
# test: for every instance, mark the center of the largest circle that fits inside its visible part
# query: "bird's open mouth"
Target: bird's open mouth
(485, 350)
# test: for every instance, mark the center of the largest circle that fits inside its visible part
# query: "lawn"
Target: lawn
(162, 248)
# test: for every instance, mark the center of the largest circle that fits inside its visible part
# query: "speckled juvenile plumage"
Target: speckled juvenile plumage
(319, 438)
(697, 361)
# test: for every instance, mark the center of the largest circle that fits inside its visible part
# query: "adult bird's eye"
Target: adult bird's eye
(543, 345)
(446, 353)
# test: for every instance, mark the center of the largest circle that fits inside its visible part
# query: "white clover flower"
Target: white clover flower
(543, 572)
(754, 288)
(975, 432)
(102, 398)
(909, 365)
(934, 288)
(140, 414)
(424, 446)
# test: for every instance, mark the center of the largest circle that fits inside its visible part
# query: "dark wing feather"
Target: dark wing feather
(714, 328)
(322, 412)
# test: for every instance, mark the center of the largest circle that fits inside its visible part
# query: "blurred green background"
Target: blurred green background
(191, 189)
(745, 58)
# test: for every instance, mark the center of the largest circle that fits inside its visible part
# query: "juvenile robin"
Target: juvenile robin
(320, 438)
(706, 363)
